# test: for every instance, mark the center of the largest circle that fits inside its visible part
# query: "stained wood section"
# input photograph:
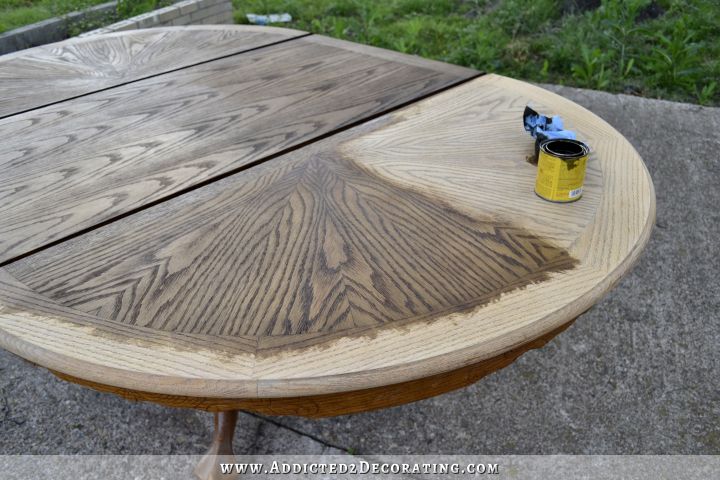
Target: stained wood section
(386, 164)
(52, 73)
(344, 403)
(304, 244)
(71, 166)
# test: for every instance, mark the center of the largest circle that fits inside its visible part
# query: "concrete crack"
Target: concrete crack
(294, 430)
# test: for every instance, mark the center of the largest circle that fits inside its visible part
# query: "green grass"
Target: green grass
(656, 48)
(18, 17)
(663, 48)
(17, 13)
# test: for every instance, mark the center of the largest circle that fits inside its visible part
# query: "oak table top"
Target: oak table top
(253, 217)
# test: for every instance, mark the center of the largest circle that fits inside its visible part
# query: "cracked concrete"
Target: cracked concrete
(639, 373)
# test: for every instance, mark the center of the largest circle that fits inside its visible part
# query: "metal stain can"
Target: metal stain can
(561, 170)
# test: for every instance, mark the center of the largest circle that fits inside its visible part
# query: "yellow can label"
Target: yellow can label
(560, 180)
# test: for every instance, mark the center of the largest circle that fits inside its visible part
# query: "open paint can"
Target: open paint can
(561, 170)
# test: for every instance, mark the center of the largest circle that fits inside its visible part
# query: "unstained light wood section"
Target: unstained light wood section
(391, 158)
(467, 149)
(52, 73)
(341, 403)
(70, 166)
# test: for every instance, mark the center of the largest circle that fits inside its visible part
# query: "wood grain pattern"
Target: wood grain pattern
(308, 243)
(70, 166)
(84, 65)
(390, 160)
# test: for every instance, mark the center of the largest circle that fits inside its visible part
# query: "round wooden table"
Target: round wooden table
(257, 218)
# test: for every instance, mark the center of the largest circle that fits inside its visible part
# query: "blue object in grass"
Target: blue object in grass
(268, 19)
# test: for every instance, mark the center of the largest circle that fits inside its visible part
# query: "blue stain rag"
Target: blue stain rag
(544, 128)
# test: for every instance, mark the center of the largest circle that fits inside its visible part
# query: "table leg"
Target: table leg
(221, 450)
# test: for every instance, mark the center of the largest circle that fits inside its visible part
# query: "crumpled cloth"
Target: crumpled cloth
(543, 128)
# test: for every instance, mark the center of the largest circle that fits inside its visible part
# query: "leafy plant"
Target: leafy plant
(706, 93)
(591, 72)
(674, 59)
